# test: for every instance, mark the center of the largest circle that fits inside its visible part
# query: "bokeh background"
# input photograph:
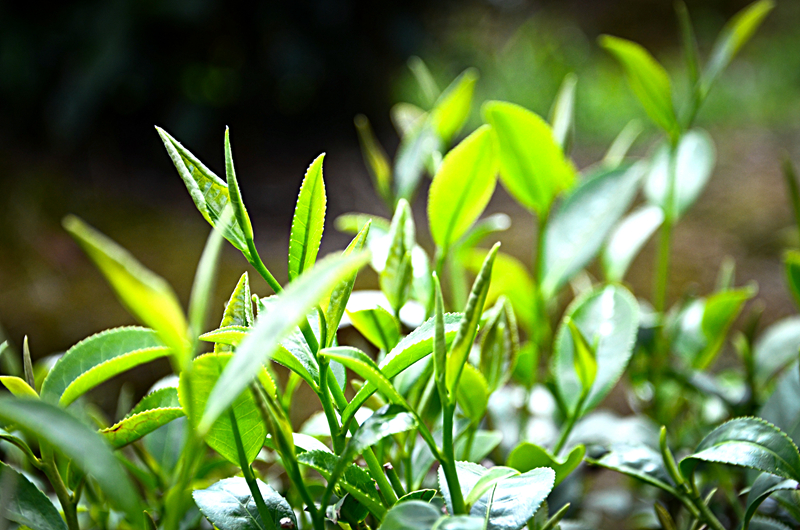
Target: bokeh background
(82, 84)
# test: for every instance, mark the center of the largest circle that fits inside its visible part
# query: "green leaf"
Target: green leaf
(638, 461)
(562, 115)
(584, 357)
(510, 278)
(239, 211)
(473, 393)
(290, 308)
(146, 295)
(694, 165)
(747, 442)
(229, 505)
(308, 221)
(483, 443)
(513, 501)
(208, 191)
(405, 117)
(628, 238)
(527, 456)
(452, 108)
(25, 504)
(764, 486)
(415, 150)
(415, 346)
(365, 367)
(721, 310)
(378, 326)
(355, 480)
(791, 260)
(80, 444)
(419, 495)
(386, 421)
(462, 188)
(621, 145)
(577, 230)
(782, 409)
(422, 74)
(97, 359)
(341, 293)
(238, 311)
(608, 316)
(154, 410)
(499, 343)
(396, 277)
(648, 80)
(462, 344)
(411, 515)
(731, 39)
(533, 167)
(18, 386)
(488, 481)
(205, 374)
(375, 159)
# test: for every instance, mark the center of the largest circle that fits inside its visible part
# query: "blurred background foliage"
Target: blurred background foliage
(82, 83)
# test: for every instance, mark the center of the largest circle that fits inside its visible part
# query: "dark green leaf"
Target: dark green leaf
(375, 159)
(308, 221)
(637, 461)
(229, 505)
(355, 480)
(25, 504)
(764, 486)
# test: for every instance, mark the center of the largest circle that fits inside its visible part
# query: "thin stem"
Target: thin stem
(67, 503)
(665, 243)
(327, 406)
(566, 429)
(447, 461)
(394, 479)
(247, 471)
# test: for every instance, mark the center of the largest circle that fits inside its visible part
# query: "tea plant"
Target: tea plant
(435, 401)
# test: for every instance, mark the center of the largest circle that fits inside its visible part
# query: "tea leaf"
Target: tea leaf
(229, 505)
(628, 238)
(153, 411)
(80, 444)
(621, 144)
(638, 461)
(473, 393)
(775, 349)
(747, 442)
(365, 367)
(721, 310)
(308, 221)
(527, 456)
(461, 188)
(413, 347)
(487, 481)
(208, 191)
(608, 316)
(695, 163)
(375, 159)
(764, 486)
(415, 150)
(791, 260)
(146, 295)
(733, 36)
(204, 376)
(239, 211)
(584, 357)
(452, 108)
(238, 311)
(395, 278)
(648, 80)
(562, 115)
(411, 515)
(499, 344)
(483, 444)
(406, 117)
(291, 306)
(355, 480)
(18, 386)
(462, 344)
(533, 167)
(427, 84)
(378, 326)
(583, 221)
(341, 293)
(25, 504)
(510, 278)
(99, 358)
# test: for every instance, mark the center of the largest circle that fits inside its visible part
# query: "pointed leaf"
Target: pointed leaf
(527, 456)
(583, 221)
(764, 486)
(628, 238)
(452, 108)
(584, 357)
(229, 505)
(411, 515)
(238, 311)
(239, 211)
(473, 393)
(291, 307)
(622, 143)
(18, 386)
(499, 344)
(378, 326)
(533, 167)
(562, 115)
(355, 480)
(462, 188)
(99, 358)
(510, 278)
(637, 461)
(415, 150)
(375, 159)
(153, 411)
(721, 310)
(791, 259)
(341, 293)
(80, 444)
(365, 367)
(308, 221)
(25, 504)
(747, 442)
(146, 295)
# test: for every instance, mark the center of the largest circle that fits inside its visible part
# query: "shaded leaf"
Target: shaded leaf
(375, 159)
(721, 309)
(229, 505)
(782, 409)
(777, 347)
(764, 486)
(499, 343)
(355, 480)
(25, 504)
(638, 461)
(628, 238)
(153, 411)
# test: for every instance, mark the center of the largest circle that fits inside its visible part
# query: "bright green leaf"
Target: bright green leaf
(396, 276)
(473, 393)
(154, 410)
(378, 326)
(510, 278)
(499, 343)
(237, 204)
(341, 293)
(451, 110)
(308, 221)
(527, 456)
(562, 115)
(18, 386)
(375, 159)
(621, 145)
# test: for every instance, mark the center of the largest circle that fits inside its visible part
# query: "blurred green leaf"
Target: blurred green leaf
(638, 461)
(25, 504)
(527, 456)
(721, 309)
(415, 151)
(18, 386)
(375, 159)
(146, 295)
(406, 117)
(562, 115)
(533, 167)
(648, 80)
(308, 221)
(791, 260)
(451, 109)
(411, 515)
(764, 486)
(628, 238)
(584, 357)
(341, 293)
(776, 348)
(483, 443)
(422, 74)
(462, 188)
(577, 230)
(622, 143)
(473, 393)
(97, 359)
(378, 326)
(499, 343)
(229, 505)
(80, 444)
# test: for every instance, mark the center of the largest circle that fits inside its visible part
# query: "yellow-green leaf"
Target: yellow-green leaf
(378, 326)
(18, 387)
(452, 108)
(375, 159)
(308, 221)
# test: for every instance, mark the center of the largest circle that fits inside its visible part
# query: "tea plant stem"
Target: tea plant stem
(327, 406)
(68, 504)
(247, 471)
(794, 191)
(665, 241)
(566, 430)
(448, 462)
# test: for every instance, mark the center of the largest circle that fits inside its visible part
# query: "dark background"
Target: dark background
(82, 84)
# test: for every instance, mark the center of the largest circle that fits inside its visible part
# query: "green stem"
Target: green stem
(448, 462)
(67, 503)
(327, 406)
(247, 471)
(394, 479)
(566, 429)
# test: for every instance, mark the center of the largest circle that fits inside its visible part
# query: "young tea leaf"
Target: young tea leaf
(628, 238)
(792, 262)
(239, 211)
(377, 326)
(375, 159)
(308, 221)
(562, 115)
(238, 311)
(153, 411)
(764, 486)
(584, 357)
(18, 386)
(473, 393)
(337, 304)
(451, 110)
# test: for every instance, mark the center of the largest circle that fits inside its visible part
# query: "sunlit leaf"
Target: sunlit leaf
(396, 276)
(452, 108)
(378, 326)
(473, 393)
(337, 304)
(562, 115)
(510, 278)
(238, 311)
(154, 410)
(18, 386)
(499, 343)
(308, 221)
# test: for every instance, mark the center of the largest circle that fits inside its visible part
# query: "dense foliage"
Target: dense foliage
(418, 414)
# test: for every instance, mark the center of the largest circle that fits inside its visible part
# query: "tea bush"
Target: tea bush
(412, 433)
